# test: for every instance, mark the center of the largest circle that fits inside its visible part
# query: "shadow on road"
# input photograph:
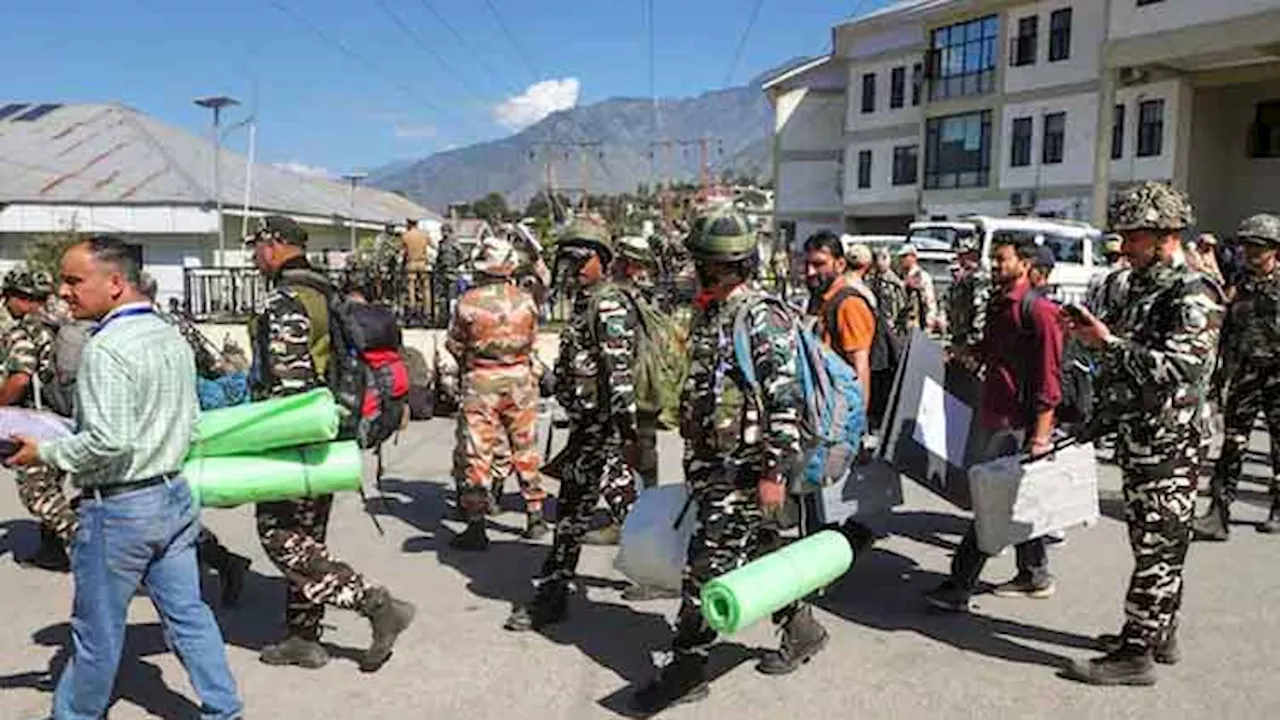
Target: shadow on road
(19, 534)
(928, 528)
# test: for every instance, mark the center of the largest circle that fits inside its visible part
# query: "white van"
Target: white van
(1076, 246)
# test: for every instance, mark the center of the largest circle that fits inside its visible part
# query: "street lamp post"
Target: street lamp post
(354, 178)
(216, 103)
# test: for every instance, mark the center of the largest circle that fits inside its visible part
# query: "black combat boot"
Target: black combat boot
(535, 527)
(296, 650)
(1123, 666)
(802, 638)
(550, 605)
(473, 539)
(682, 681)
(1166, 652)
(51, 555)
(1271, 525)
(388, 617)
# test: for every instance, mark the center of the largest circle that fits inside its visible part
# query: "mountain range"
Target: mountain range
(737, 121)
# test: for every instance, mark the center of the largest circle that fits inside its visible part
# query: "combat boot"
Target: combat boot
(802, 638)
(1166, 652)
(682, 681)
(1123, 666)
(610, 534)
(1212, 526)
(1271, 525)
(473, 539)
(535, 527)
(388, 617)
(51, 555)
(295, 650)
(550, 605)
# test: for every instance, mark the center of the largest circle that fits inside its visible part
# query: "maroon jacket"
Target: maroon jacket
(1024, 361)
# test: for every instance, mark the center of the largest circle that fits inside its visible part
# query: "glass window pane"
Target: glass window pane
(991, 26)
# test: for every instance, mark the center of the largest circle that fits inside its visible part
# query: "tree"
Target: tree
(491, 207)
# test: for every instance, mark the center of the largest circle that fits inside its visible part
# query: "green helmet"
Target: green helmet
(1260, 229)
(35, 284)
(1151, 206)
(722, 236)
(589, 233)
(636, 249)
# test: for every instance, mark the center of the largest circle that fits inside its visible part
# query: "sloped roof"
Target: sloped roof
(901, 9)
(109, 154)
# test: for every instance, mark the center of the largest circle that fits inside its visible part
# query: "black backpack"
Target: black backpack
(1078, 371)
(886, 348)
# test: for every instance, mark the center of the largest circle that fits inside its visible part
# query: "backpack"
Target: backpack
(661, 363)
(69, 339)
(1078, 371)
(886, 350)
(833, 417)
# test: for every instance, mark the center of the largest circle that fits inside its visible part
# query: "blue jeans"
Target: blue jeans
(143, 537)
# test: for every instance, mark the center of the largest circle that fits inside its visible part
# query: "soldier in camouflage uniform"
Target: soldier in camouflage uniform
(890, 292)
(739, 445)
(290, 355)
(594, 386)
(1157, 360)
(1251, 375)
(492, 336)
(1108, 293)
(636, 270)
(967, 301)
(27, 349)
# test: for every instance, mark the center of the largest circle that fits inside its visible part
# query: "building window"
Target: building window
(897, 87)
(1266, 130)
(1060, 35)
(957, 152)
(1023, 49)
(1117, 134)
(1055, 136)
(906, 159)
(1020, 147)
(869, 93)
(917, 81)
(1150, 127)
(962, 59)
(864, 169)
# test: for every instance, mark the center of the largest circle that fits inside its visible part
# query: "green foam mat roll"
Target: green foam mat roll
(765, 585)
(304, 419)
(277, 475)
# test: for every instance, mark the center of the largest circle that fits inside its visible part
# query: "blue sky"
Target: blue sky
(385, 97)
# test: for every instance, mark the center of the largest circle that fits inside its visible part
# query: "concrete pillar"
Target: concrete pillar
(1184, 102)
(1102, 147)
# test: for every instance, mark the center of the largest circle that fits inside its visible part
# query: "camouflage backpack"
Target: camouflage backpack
(661, 364)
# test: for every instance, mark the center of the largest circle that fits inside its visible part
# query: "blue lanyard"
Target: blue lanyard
(129, 312)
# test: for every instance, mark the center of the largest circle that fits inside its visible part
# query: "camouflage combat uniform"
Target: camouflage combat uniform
(290, 351)
(1251, 372)
(1155, 376)
(967, 309)
(492, 336)
(594, 385)
(891, 297)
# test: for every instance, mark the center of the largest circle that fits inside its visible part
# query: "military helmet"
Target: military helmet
(1151, 206)
(591, 233)
(495, 256)
(721, 235)
(636, 249)
(31, 283)
(968, 242)
(1261, 229)
(1112, 244)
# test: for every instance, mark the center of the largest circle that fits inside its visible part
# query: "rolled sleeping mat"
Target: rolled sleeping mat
(285, 474)
(763, 586)
(304, 419)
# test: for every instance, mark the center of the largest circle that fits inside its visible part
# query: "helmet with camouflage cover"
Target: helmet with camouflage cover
(1261, 229)
(636, 249)
(496, 257)
(721, 236)
(590, 233)
(31, 283)
(1151, 206)
(967, 242)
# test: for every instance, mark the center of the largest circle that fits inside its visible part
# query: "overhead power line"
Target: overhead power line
(475, 55)
(511, 38)
(432, 52)
(742, 42)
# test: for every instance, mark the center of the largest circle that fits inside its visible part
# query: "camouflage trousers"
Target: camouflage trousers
(597, 471)
(1159, 506)
(293, 534)
(498, 434)
(731, 532)
(1256, 389)
(40, 489)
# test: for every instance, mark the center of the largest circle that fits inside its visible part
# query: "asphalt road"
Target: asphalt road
(889, 657)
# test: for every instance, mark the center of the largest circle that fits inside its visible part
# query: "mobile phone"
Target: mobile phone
(1075, 312)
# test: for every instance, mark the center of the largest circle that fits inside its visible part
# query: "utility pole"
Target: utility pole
(216, 103)
(582, 147)
(354, 178)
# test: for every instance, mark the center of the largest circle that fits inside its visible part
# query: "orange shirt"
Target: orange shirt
(855, 322)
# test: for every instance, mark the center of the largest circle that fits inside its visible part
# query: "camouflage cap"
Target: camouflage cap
(721, 235)
(967, 243)
(1261, 229)
(283, 229)
(591, 233)
(1151, 206)
(35, 284)
(636, 249)
(495, 256)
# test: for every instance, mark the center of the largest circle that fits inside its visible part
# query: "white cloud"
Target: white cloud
(415, 131)
(538, 101)
(300, 168)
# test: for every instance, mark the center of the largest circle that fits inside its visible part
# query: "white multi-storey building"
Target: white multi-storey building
(997, 107)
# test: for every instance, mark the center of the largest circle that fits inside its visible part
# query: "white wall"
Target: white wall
(808, 186)
(808, 120)
(853, 43)
(882, 188)
(1076, 167)
(1130, 167)
(1088, 30)
(123, 219)
(856, 120)
(997, 208)
(1128, 20)
(1226, 184)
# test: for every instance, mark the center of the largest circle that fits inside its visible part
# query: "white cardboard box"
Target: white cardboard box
(1014, 502)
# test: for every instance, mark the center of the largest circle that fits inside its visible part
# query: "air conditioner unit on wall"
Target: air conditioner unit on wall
(1022, 201)
(1132, 75)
